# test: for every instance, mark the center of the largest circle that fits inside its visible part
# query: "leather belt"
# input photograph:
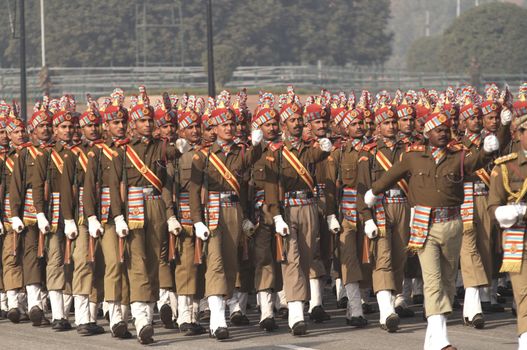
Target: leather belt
(445, 214)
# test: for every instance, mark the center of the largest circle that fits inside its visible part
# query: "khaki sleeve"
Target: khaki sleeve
(116, 170)
(38, 180)
(364, 184)
(17, 189)
(195, 187)
(271, 188)
(497, 193)
(67, 200)
(90, 196)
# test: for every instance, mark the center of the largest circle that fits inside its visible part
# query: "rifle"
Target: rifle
(200, 247)
(123, 187)
(98, 188)
(76, 206)
(281, 249)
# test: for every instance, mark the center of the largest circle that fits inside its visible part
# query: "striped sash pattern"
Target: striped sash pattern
(419, 227)
(7, 213)
(184, 209)
(30, 213)
(136, 208)
(55, 211)
(213, 210)
(513, 246)
(467, 208)
(349, 205)
(81, 206)
(105, 204)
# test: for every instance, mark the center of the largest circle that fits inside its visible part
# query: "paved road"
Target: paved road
(499, 333)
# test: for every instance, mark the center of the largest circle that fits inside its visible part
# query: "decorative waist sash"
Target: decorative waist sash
(349, 205)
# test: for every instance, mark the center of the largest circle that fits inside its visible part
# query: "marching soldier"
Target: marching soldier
(290, 183)
(139, 201)
(97, 210)
(215, 195)
(435, 183)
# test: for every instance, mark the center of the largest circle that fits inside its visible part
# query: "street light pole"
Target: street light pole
(42, 34)
(210, 55)
(23, 97)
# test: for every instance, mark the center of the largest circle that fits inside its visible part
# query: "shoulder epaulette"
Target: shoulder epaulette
(506, 158)
(415, 147)
(455, 146)
(369, 146)
(275, 146)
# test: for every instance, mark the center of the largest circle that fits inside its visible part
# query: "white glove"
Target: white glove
(325, 144)
(248, 228)
(256, 137)
(370, 229)
(94, 227)
(491, 144)
(369, 199)
(121, 227)
(202, 231)
(182, 145)
(280, 226)
(17, 224)
(412, 214)
(70, 229)
(174, 227)
(521, 209)
(2, 231)
(43, 223)
(505, 116)
(333, 223)
(506, 215)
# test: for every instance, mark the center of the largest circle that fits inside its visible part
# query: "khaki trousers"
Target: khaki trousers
(84, 272)
(13, 275)
(116, 284)
(222, 253)
(326, 242)
(439, 262)
(186, 271)
(144, 250)
(390, 250)
(302, 250)
(519, 287)
(55, 269)
(166, 273)
(476, 252)
(348, 254)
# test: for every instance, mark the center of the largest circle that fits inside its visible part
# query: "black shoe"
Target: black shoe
(190, 329)
(45, 322)
(487, 307)
(392, 323)
(220, 334)
(368, 308)
(283, 313)
(404, 312)
(3, 314)
(145, 335)
(165, 314)
(24, 317)
(120, 330)
(477, 322)
(96, 329)
(504, 292)
(61, 325)
(299, 328)
(204, 316)
(359, 322)
(269, 324)
(13, 315)
(318, 315)
(342, 303)
(89, 329)
(501, 299)
(36, 315)
(418, 299)
(238, 319)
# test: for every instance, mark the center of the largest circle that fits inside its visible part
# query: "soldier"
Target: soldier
(86, 288)
(97, 210)
(507, 204)
(388, 222)
(435, 183)
(216, 172)
(343, 169)
(139, 201)
(52, 183)
(290, 182)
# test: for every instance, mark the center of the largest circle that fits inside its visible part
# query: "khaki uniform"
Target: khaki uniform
(436, 186)
(516, 166)
(222, 255)
(116, 286)
(390, 247)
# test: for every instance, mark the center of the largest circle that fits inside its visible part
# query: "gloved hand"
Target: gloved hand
(121, 227)
(174, 227)
(412, 214)
(182, 145)
(333, 223)
(491, 144)
(369, 199)
(370, 229)
(2, 230)
(505, 116)
(280, 226)
(70, 229)
(256, 137)
(521, 209)
(248, 228)
(94, 227)
(506, 215)
(202, 231)
(43, 223)
(325, 144)
(17, 224)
